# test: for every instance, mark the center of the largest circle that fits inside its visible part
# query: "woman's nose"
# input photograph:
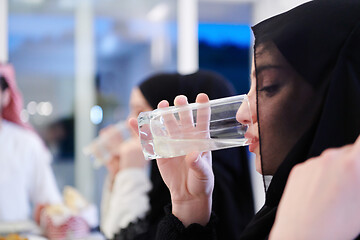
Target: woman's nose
(245, 114)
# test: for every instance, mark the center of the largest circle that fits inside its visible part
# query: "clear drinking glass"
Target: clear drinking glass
(177, 131)
(102, 147)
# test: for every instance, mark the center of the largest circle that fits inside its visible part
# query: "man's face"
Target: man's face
(1, 101)
(4, 99)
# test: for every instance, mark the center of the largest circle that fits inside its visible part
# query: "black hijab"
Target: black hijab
(167, 86)
(232, 198)
(320, 40)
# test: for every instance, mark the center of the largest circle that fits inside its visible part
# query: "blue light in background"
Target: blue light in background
(220, 34)
(96, 114)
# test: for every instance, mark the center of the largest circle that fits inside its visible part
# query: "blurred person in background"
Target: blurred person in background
(26, 178)
(135, 194)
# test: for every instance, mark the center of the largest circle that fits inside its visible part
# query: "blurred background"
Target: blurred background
(77, 60)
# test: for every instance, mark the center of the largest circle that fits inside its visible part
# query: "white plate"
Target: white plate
(18, 227)
(36, 238)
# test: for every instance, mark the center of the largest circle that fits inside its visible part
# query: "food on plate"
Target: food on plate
(74, 217)
(13, 237)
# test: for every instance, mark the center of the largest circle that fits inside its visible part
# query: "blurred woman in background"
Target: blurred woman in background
(233, 201)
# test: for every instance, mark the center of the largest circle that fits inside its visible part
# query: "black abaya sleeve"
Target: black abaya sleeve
(171, 228)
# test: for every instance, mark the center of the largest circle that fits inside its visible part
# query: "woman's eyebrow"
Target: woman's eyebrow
(265, 67)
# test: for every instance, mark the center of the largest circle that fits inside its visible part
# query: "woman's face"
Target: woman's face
(285, 111)
(138, 103)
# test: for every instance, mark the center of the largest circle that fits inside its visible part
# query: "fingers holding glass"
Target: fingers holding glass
(203, 115)
(185, 115)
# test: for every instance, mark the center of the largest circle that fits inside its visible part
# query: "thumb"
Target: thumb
(198, 165)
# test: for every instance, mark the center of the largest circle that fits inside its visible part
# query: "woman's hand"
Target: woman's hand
(113, 166)
(189, 178)
(123, 154)
(131, 155)
(322, 197)
(111, 139)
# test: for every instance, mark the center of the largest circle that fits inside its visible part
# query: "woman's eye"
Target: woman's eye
(270, 90)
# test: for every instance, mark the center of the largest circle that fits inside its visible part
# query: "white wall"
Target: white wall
(264, 9)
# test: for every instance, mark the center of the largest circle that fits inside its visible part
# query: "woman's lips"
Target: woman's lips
(253, 142)
(253, 146)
